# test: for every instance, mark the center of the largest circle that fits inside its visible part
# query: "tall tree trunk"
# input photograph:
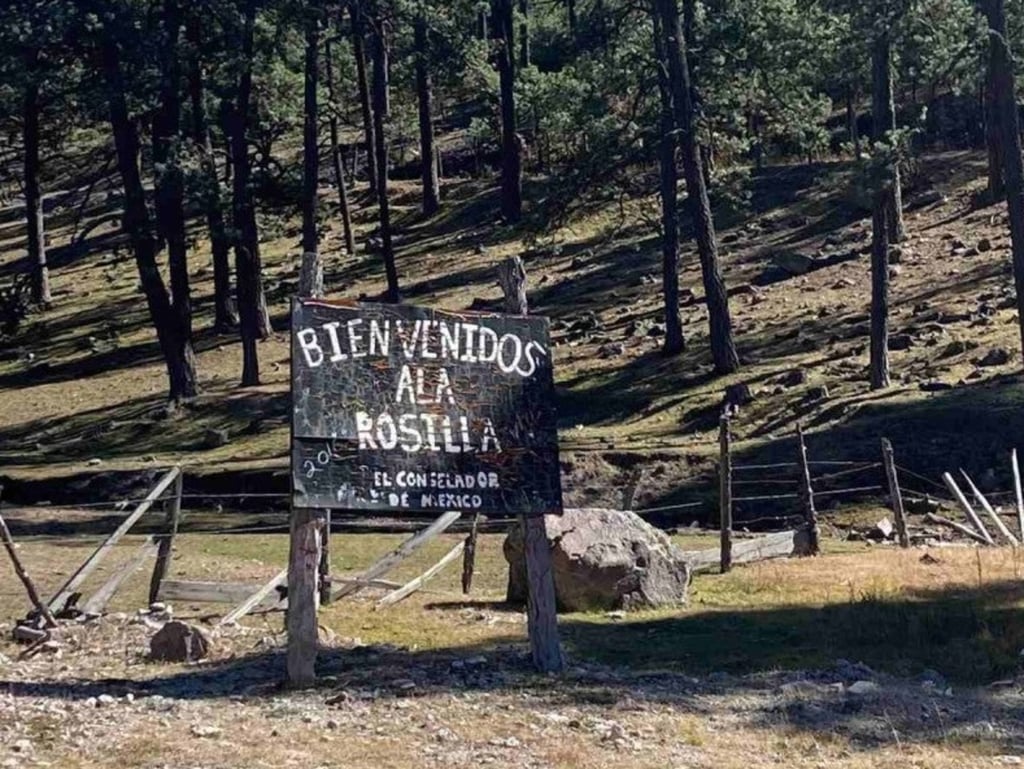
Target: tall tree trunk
(254, 321)
(336, 158)
(723, 348)
(176, 347)
(674, 342)
(996, 187)
(34, 217)
(363, 86)
(170, 182)
(851, 122)
(882, 210)
(310, 148)
(884, 111)
(1009, 134)
(425, 99)
(570, 9)
(511, 144)
(524, 34)
(224, 317)
(378, 45)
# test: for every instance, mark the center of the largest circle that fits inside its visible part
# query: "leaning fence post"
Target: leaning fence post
(725, 492)
(26, 580)
(166, 545)
(889, 460)
(807, 494)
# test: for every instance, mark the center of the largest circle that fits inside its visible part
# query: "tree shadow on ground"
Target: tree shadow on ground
(775, 667)
(140, 426)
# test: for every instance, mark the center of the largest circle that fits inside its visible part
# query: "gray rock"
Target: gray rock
(179, 642)
(862, 688)
(793, 262)
(984, 245)
(215, 438)
(901, 342)
(794, 378)
(997, 356)
(604, 560)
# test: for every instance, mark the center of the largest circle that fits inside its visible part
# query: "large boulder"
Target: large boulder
(603, 560)
(179, 642)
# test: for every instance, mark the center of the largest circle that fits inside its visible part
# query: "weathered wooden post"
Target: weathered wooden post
(889, 460)
(541, 612)
(305, 566)
(1017, 491)
(725, 492)
(166, 541)
(469, 556)
(807, 495)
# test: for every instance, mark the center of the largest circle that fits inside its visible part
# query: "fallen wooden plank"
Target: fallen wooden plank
(988, 509)
(99, 600)
(189, 591)
(255, 599)
(933, 518)
(968, 510)
(782, 544)
(94, 560)
(403, 551)
(413, 585)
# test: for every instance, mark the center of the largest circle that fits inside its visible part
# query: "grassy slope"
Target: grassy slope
(94, 387)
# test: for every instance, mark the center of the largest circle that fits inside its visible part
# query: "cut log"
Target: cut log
(413, 585)
(94, 560)
(403, 551)
(988, 509)
(99, 600)
(967, 532)
(781, 544)
(968, 510)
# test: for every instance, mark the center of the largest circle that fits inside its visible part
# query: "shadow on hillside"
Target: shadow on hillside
(141, 426)
(741, 659)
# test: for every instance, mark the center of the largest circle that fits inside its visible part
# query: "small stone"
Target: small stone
(94, 462)
(997, 356)
(215, 438)
(205, 730)
(861, 688)
(901, 342)
(984, 245)
(818, 393)
(22, 746)
(179, 642)
(105, 699)
(797, 376)
(332, 724)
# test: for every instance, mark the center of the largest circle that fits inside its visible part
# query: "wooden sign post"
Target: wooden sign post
(409, 410)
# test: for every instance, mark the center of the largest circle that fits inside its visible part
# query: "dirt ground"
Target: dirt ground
(862, 657)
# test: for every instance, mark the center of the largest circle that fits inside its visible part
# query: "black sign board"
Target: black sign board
(399, 408)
